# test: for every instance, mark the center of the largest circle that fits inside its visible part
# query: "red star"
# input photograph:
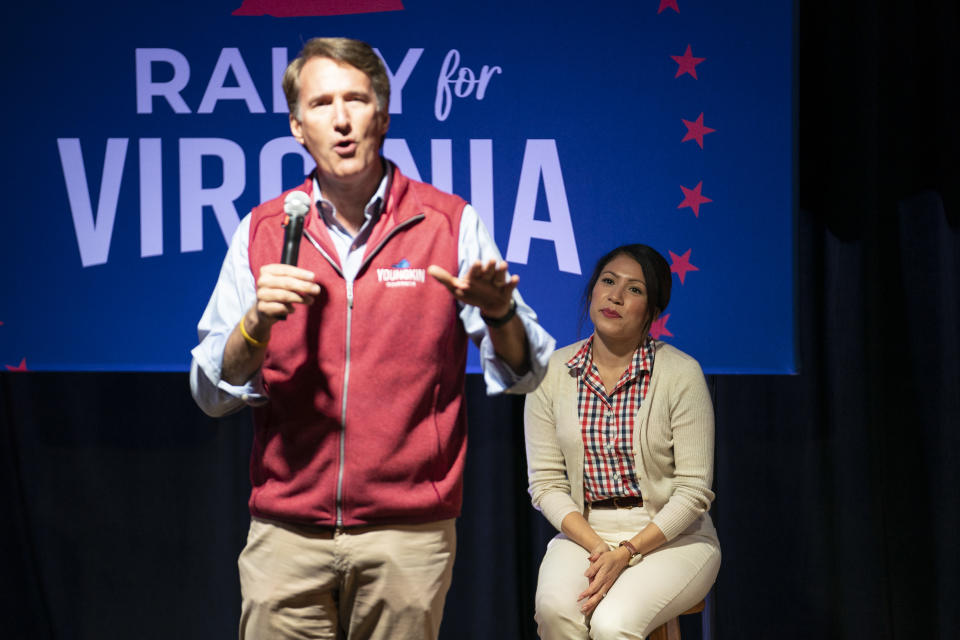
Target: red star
(668, 4)
(659, 327)
(687, 63)
(20, 367)
(681, 264)
(696, 130)
(693, 199)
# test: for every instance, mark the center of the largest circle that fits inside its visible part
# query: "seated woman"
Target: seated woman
(619, 440)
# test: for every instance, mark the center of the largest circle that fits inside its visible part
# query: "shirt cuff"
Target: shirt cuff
(214, 395)
(251, 392)
(498, 375)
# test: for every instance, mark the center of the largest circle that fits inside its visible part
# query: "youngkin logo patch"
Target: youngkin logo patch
(401, 275)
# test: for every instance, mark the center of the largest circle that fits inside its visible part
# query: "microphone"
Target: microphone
(295, 206)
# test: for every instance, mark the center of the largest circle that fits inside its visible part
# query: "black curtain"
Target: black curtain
(837, 503)
(836, 487)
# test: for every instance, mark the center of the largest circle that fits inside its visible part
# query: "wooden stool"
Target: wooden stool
(670, 630)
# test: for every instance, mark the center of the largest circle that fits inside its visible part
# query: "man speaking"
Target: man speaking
(353, 361)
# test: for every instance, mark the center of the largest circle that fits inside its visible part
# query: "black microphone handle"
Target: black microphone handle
(292, 231)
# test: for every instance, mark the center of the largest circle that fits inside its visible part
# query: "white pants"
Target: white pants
(370, 583)
(662, 585)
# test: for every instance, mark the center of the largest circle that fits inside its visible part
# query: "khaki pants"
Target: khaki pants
(662, 585)
(369, 582)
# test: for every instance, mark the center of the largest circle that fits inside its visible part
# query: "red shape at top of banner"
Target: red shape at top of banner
(302, 8)
(668, 4)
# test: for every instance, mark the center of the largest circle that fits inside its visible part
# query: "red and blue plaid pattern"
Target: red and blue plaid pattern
(606, 422)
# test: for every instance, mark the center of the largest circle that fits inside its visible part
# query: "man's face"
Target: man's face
(340, 124)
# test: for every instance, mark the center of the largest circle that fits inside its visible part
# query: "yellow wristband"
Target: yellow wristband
(250, 339)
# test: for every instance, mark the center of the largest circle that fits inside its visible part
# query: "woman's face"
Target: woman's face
(618, 306)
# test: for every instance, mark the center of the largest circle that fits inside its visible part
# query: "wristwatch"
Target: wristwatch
(502, 320)
(634, 554)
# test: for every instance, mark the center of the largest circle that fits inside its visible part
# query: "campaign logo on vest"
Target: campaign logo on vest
(401, 275)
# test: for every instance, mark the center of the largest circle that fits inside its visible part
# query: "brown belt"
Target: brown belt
(617, 502)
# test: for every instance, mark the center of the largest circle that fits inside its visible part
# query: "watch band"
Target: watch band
(502, 320)
(635, 555)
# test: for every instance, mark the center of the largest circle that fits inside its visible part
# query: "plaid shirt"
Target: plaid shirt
(606, 422)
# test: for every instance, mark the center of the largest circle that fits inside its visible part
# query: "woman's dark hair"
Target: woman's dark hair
(656, 272)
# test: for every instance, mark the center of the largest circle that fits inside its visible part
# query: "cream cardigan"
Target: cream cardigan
(672, 443)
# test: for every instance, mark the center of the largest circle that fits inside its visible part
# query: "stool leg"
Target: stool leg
(660, 633)
(673, 629)
(669, 630)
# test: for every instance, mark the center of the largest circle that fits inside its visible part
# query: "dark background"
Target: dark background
(837, 507)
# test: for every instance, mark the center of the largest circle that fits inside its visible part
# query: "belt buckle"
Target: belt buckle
(616, 502)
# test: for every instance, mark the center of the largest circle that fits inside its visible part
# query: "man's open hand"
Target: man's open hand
(485, 285)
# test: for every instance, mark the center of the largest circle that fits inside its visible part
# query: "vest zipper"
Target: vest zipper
(346, 376)
(343, 404)
(347, 355)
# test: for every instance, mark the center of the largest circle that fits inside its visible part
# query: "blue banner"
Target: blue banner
(139, 134)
